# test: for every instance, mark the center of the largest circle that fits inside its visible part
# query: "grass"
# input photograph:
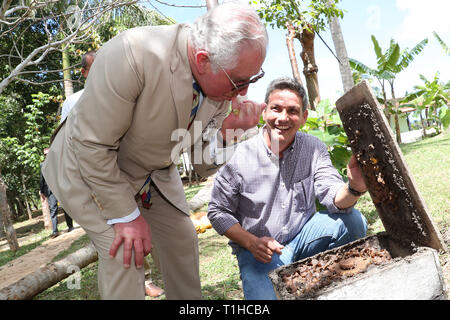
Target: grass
(427, 161)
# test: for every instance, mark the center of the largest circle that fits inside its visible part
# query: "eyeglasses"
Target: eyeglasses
(239, 87)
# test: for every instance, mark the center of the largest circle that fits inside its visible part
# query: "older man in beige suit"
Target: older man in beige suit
(118, 145)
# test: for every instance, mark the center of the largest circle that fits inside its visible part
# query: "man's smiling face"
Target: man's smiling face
(283, 115)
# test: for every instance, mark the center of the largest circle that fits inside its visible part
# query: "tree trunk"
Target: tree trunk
(12, 206)
(6, 218)
(423, 124)
(20, 207)
(386, 108)
(2, 227)
(46, 212)
(290, 45)
(397, 125)
(24, 186)
(341, 52)
(211, 4)
(68, 86)
(42, 279)
(310, 68)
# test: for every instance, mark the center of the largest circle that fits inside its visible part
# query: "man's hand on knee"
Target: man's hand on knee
(134, 235)
(264, 248)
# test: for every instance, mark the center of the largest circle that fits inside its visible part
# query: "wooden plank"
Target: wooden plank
(390, 184)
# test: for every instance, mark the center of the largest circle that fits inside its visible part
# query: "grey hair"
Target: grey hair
(84, 62)
(226, 30)
(286, 83)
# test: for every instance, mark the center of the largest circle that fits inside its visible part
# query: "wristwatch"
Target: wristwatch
(354, 192)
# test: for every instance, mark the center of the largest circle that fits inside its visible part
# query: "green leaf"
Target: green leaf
(378, 52)
(340, 156)
(392, 56)
(444, 116)
(325, 137)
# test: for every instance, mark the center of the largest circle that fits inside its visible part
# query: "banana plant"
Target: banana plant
(435, 96)
(389, 64)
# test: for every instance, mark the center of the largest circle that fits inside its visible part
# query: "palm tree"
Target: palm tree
(398, 61)
(341, 52)
(389, 64)
(433, 95)
(380, 73)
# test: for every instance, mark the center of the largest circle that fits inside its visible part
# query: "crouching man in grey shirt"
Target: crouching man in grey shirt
(263, 199)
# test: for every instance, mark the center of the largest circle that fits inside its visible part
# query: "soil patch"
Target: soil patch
(38, 257)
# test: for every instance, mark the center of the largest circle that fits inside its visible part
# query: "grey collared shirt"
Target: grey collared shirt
(273, 197)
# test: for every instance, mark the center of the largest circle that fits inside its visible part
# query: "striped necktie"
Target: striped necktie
(196, 100)
(144, 194)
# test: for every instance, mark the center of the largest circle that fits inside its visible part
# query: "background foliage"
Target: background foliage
(31, 103)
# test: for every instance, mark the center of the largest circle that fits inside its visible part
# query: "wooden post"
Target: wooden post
(391, 186)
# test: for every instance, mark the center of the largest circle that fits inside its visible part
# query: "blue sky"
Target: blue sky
(407, 21)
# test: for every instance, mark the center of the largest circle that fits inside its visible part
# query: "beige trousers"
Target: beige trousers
(175, 251)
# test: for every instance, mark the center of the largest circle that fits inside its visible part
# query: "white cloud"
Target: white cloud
(422, 17)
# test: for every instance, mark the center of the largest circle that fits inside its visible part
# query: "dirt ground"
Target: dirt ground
(38, 257)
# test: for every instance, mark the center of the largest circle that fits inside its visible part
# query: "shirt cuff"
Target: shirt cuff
(134, 215)
(222, 223)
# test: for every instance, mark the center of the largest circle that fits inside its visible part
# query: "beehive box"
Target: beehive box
(410, 231)
(376, 267)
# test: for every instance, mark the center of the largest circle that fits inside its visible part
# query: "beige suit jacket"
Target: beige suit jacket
(124, 127)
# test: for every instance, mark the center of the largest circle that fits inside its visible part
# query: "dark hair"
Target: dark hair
(84, 63)
(284, 83)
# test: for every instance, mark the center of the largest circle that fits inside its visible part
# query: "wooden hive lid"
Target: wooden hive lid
(390, 184)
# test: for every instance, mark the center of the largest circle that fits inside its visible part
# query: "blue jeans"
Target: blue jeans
(323, 231)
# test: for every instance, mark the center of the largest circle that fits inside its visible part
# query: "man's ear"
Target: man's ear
(264, 112)
(202, 61)
(305, 116)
